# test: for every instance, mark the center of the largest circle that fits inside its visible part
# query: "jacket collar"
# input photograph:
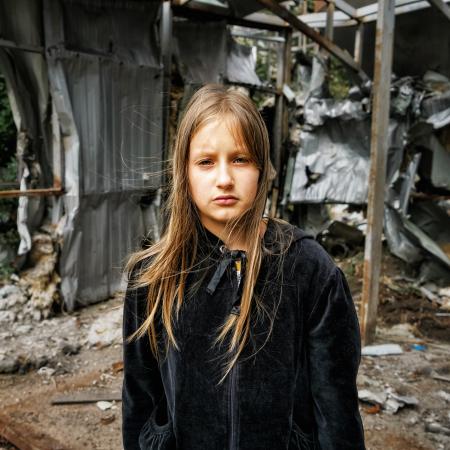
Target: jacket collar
(276, 233)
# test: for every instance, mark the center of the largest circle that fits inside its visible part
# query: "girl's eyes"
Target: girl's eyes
(239, 160)
(242, 160)
(205, 162)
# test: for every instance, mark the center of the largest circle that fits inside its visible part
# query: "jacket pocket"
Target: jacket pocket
(157, 437)
(300, 440)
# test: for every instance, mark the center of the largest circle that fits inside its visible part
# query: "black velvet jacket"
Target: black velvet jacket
(294, 390)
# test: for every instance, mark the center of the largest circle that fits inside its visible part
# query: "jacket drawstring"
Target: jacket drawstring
(230, 256)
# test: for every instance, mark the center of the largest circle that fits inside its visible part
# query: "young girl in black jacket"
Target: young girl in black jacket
(239, 330)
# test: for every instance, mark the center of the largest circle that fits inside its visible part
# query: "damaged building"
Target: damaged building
(96, 89)
(358, 112)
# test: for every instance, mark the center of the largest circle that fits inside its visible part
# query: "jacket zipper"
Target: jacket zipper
(233, 408)
(233, 445)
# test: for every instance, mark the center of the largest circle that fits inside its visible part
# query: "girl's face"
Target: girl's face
(223, 179)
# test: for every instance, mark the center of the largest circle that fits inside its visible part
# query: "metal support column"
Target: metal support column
(166, 56)
(330, 19)
(359, 40)
(377, 176)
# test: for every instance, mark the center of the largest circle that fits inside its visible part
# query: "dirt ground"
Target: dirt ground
(421, 371)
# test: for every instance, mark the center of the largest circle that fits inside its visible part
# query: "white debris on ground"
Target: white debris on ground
(411, 388)
(107, 329)
(41, 345)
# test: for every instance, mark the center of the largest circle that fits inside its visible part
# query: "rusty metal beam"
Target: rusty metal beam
(325, 43)
(377, 176)
(346, 8)
(26, 48)
(25, 437)
(32, 192)
(203, 11)
(441, 6)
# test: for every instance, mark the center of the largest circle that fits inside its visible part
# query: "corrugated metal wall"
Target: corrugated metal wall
(110, 65)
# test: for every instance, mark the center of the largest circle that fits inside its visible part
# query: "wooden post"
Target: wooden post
(280, 125)
(377, 176)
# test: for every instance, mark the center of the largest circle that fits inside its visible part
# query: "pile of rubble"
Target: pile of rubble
(42, 345)
(32, 294)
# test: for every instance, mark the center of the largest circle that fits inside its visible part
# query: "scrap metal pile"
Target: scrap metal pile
(330, 157)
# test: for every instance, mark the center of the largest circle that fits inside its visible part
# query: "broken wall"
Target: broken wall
(103, 73)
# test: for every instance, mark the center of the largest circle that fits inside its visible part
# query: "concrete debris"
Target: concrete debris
(35, 291)
(46, 371)
(388, 400)
(103, 405)
(382, 350)
(372, 397)
(435, 427)
(107, 329)
(401, 330)
(444, 395)
(40, 346)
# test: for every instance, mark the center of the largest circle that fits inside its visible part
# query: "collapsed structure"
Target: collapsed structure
(92, 89)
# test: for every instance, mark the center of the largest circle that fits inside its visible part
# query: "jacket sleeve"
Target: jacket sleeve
(142, 386)
(334, 355)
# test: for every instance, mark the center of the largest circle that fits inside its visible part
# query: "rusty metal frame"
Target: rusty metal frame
(45, 192)
(197, 9)
(441, 6)
(369, 13)
(27, 48)
(325, 43)
(377, 175)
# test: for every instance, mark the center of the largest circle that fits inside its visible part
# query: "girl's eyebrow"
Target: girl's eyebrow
(207, 151)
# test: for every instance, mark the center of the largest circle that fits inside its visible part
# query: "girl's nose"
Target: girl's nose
(224, 176)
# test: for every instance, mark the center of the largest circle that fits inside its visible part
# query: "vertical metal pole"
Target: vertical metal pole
(280, 121)
(377, 176)
(166, 60)
(330, 18)
(304, 39)
(359, 36)
(166, 56)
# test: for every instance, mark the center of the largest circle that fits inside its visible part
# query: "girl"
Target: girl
(240, 332)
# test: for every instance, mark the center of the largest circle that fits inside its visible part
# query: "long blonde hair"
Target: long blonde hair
(174, 255)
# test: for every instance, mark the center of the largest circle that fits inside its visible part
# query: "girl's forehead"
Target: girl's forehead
(228, 120)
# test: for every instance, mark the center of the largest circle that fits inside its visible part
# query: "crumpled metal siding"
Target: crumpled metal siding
(333, 162)
(241, 63)
(109, 105)
(118, 113)
(208, 54)
(27, 84)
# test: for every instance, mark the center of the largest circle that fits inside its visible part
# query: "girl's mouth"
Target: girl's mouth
(225, 200)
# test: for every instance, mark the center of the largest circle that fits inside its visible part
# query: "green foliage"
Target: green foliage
(338, 81)
(9, 236)
(7, 127)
